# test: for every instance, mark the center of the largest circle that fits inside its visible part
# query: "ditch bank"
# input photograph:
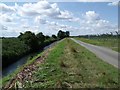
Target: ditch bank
(26, 71)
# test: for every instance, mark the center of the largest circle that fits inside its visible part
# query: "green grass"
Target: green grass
(70, 65)
(111, 43)
(49, 72)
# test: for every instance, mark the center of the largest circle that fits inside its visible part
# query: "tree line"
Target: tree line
(102, 36)
(25, 43)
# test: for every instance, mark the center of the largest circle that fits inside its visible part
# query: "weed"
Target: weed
(73, 50)
(62, 64)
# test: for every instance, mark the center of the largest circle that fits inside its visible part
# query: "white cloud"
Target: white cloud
(5, 18)
(19, 16)
(65, 15)
(35, 16)
(44, 8)
(52, 23)
(74, 19)
(55, 27)
(40, 20)
(39, 8)
(113, 3)
(93, 24)
(32, 30)
(6, 9)
(25, 26)
(3, 27)
(92, 15)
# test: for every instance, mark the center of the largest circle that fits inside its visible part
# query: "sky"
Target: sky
(80, 18)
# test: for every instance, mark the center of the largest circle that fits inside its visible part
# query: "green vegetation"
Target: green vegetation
(30, 39)
(12, 49)
(111, 43)
(70, 65)
(25, 43)
(62, 34)
(30, 60)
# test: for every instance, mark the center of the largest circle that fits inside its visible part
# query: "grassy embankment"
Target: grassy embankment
(71, 65)
(111, 43)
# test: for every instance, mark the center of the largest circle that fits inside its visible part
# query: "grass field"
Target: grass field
(106, 42)
(70, 65)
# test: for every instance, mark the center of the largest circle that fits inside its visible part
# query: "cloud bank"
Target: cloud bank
(45, 15)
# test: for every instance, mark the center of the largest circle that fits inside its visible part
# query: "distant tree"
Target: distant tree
(47, 37)
(3, 37)
(67, 33)
(111, 33)
(117, 32)
(61, 34)
(40, 37)
(20, 35)
(54, 36)
(30, 39)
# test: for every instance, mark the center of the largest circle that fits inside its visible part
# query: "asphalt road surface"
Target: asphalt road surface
(103, 53)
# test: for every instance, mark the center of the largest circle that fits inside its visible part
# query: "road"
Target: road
(103, 53)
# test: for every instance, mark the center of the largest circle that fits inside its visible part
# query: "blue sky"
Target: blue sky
(79, 18)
